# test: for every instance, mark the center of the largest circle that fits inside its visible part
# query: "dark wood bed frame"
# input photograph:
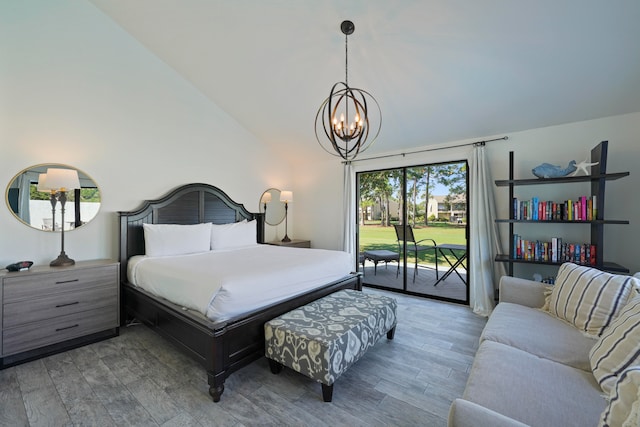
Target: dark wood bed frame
(221, 347)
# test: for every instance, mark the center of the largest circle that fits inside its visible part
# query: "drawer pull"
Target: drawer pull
(67, 327)
(67, 281)
(69, 303)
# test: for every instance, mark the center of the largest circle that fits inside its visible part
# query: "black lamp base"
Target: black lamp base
(62, 261)
(286, 239)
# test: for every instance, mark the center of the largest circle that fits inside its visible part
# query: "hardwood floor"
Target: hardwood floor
(139, 379)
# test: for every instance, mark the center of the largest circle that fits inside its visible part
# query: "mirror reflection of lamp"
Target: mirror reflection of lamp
(60, 181)
(266, 198)
(43, 187)
(286, 197)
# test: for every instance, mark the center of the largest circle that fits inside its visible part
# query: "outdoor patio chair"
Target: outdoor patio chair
(405, 233)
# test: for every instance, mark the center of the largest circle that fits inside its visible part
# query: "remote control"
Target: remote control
(19, 266)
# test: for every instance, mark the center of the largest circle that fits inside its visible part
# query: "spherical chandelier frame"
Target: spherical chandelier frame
(347, 136)
(346, 144)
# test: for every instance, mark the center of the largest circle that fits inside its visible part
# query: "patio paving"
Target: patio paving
(452, 288)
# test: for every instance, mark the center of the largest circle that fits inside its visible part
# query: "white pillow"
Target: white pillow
(624, 401)
(236, 234)
(176, 239)
(618, 348)
(588, 298)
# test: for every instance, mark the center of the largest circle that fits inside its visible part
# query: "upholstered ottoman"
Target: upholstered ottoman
(323, 338)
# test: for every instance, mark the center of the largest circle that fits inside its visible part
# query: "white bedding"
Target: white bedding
(222, 284)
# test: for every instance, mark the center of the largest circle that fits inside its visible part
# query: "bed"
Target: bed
(220, 346)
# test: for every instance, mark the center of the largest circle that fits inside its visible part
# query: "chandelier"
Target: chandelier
(345, 115)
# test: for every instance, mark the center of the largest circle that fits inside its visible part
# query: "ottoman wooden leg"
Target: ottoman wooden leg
(275, 367)
(391, 333)
(327, 392)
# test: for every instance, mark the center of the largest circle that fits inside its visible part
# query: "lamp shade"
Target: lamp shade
(62, 179)
(266, 197)
(43, 187)
(286, 196)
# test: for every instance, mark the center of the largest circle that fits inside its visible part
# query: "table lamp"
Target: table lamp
(60, 181)
(286, 197)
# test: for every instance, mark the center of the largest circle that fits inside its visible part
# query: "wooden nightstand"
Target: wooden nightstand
(50, 309)
(294, 243)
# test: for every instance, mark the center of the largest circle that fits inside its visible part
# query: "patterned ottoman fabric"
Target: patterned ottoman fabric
(323, 338)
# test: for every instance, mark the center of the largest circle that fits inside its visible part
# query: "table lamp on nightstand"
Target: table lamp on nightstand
(286, 197)
(60, 181)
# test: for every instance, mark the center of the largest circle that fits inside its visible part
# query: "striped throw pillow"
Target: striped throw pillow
(624, 401)
(589, 298)
(618, 348)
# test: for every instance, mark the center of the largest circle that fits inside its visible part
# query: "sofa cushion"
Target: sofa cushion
(618, 348)
(464, 413)
(589, 298)
(529, 329)
(533, 390)
(624, 401)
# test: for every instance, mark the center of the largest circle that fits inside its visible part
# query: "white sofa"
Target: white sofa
(531, 368)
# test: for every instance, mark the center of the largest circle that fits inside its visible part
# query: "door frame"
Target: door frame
(404, 215)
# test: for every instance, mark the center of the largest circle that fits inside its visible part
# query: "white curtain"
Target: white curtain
(484, 272)
(24, 197)
(349, 224)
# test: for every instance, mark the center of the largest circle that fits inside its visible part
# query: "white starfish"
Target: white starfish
(582, 166)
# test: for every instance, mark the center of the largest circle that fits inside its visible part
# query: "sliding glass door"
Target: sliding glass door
(412, 229)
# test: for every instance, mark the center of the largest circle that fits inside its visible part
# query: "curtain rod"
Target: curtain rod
(476, 143)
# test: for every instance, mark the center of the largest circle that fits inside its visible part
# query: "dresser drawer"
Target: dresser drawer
(31, 286)
(60, 304)
(39, 334)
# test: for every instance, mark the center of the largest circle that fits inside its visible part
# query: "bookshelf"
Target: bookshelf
(598, 178)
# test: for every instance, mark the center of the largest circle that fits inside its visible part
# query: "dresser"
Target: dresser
(50, 309)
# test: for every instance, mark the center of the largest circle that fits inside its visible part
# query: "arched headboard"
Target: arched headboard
(187, 204)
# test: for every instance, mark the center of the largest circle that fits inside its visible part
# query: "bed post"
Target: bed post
(215, 390)
(260, 227)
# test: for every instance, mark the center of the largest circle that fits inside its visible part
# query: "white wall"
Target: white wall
(76, 89)
(319, 194)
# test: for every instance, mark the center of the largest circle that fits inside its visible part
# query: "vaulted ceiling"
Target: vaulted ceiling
(440, 70)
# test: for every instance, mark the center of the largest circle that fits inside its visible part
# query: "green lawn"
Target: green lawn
(376, 237)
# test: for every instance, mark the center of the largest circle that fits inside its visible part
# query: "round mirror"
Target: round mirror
(272, 207)
(30, 200)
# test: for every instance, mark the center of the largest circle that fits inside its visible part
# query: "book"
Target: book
(559, 257)
(587, 254)
(545, 251)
